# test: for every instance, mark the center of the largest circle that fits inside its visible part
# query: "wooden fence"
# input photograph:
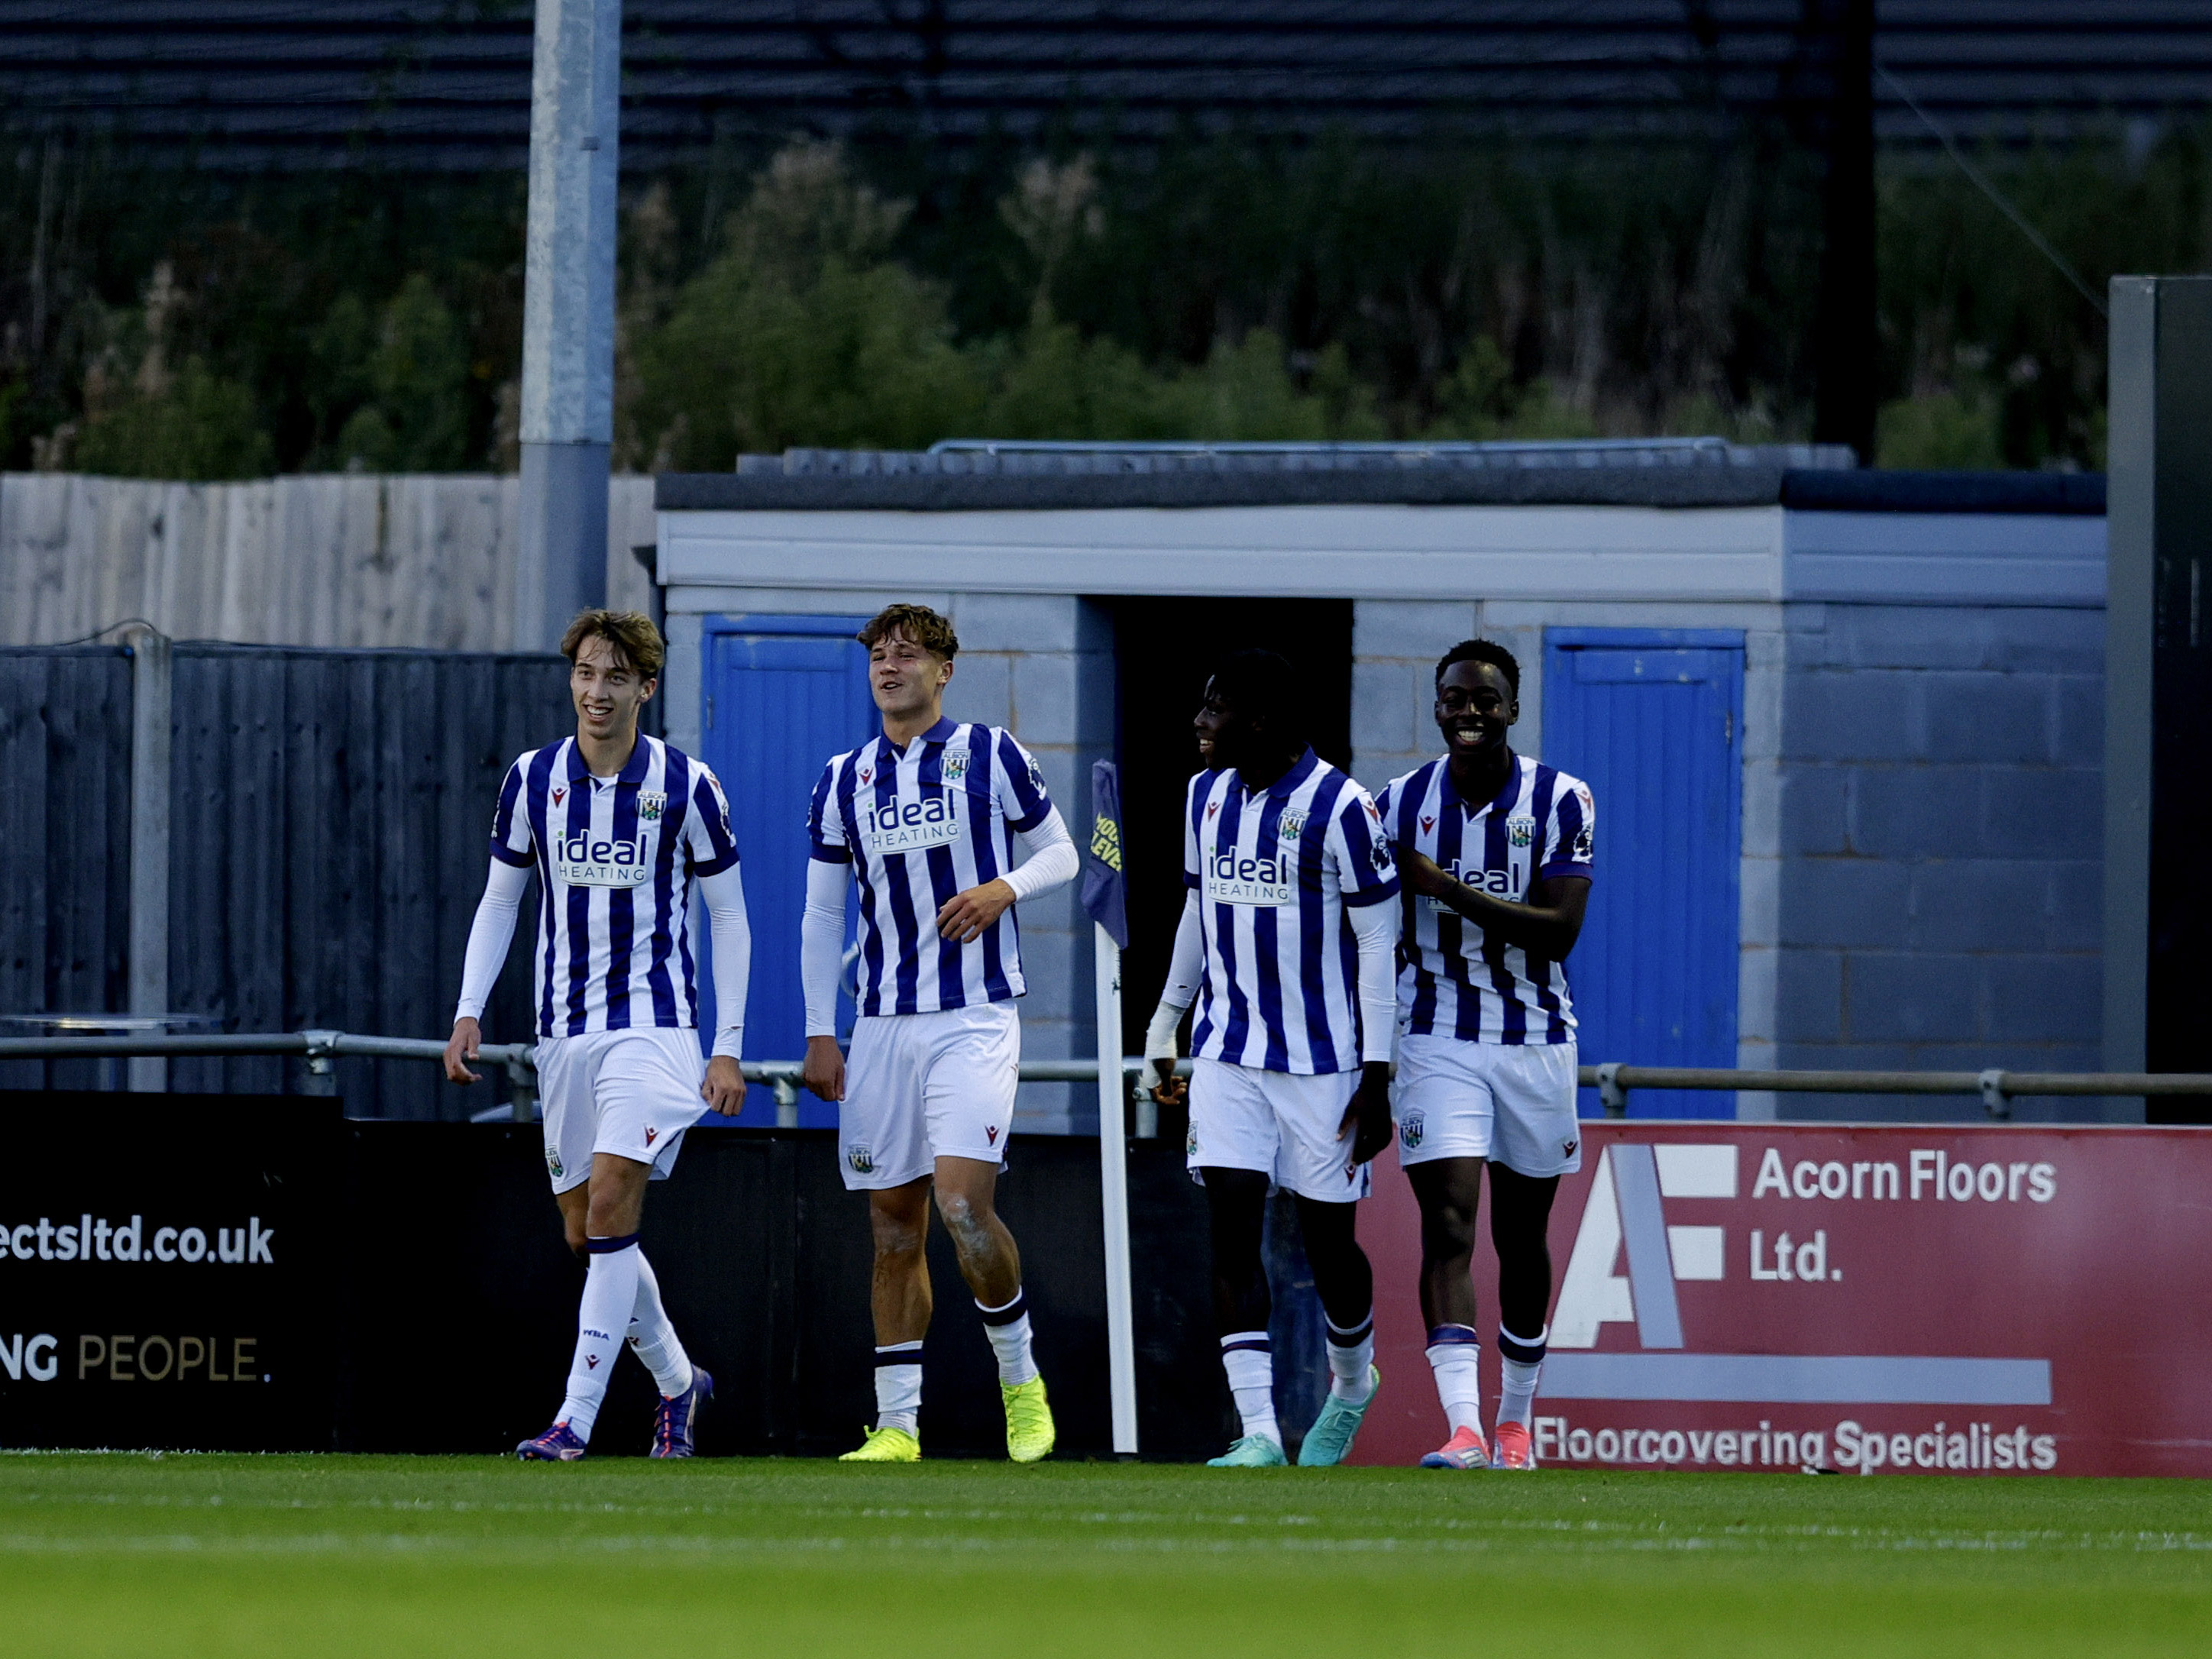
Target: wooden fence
(346, 560)
(330, 812)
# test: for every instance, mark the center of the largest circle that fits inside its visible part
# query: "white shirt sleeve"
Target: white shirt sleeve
(489, 935)
(1184, 966)
(1052, 862)
(1375, 930)
(821, 943)
(731, 934)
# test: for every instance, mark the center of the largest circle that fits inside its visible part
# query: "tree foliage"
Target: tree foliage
(196, 324)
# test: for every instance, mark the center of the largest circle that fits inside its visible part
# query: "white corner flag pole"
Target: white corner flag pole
(1114, 1194)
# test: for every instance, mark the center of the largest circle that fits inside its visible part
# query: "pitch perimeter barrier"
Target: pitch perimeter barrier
(246, 1272)
(1613, 1079)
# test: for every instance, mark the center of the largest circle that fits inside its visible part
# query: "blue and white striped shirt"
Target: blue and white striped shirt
(918, 827)
(1274, 870)
(1453, 981)
(616, 858)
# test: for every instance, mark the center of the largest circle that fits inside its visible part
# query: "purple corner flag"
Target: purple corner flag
(1104, 891)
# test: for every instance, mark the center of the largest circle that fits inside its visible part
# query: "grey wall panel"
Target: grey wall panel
(328, 849)
(65, 840)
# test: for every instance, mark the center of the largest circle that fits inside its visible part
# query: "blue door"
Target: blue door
(1652, 720)
(780, 694)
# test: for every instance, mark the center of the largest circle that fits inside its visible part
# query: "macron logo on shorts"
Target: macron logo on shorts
(651, 1135)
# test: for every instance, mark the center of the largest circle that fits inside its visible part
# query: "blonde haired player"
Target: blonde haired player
(619, 827)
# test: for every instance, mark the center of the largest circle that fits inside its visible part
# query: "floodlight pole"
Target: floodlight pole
(1114, 1194)
(2158, 680)
(569, 316)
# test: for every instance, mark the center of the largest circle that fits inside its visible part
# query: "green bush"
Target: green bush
(196, 426)
(1944, 431)
(415, 374)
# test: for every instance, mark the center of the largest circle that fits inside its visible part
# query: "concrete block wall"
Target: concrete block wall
(1940, 822)
(1042, 666)
(1395, 646)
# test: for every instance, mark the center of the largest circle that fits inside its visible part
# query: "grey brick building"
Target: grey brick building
(1910, 722)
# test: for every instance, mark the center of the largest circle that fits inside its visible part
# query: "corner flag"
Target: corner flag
(1105, 894)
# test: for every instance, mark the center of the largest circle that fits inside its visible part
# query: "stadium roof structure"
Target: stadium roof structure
(446, 84)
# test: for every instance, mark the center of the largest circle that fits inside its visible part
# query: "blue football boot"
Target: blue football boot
(674, 1419)
(558, 1445)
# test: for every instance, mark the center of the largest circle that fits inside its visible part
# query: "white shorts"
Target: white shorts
(919, 1087)
(632, 1093)
(1277, 1123)
(1510, 1102)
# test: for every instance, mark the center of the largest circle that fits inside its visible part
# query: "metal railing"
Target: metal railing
(1996, 1088)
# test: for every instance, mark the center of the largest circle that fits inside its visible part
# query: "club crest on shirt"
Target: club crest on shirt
(955, 766)
(859, 1158)
(651, 803)
(1292, 823)
(1520, 832)
(1409, 1132)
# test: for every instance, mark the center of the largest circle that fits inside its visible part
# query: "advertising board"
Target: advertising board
(1863, 1299)
(166, 1271)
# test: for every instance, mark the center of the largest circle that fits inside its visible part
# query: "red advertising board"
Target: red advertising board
(1868, 1298)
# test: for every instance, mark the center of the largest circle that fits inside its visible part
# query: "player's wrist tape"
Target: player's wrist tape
(1160, 1035)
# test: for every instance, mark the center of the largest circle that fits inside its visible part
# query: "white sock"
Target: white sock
(1455, 1356)
(609, 1293)
(898, 1387)
(1521, 1362)
(653, 1339)
(1351, 1353)
(1008, 1328)
(1250, 1362)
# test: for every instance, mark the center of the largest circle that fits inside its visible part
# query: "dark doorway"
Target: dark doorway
(1164, 652)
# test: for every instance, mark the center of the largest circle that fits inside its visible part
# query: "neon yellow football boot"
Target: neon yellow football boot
(1029, 1432)
(886, 1446)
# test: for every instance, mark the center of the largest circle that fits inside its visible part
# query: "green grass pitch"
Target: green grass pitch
(242, 1557)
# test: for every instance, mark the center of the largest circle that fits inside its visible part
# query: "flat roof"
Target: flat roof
(898, 482)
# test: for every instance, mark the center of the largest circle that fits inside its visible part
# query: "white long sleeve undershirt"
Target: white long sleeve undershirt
(1186, 963)
(821, 943)
(731, 932)
(489, 935)
(1375, 934)
(1375, 931)
(729, 928)
(1052, 861)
